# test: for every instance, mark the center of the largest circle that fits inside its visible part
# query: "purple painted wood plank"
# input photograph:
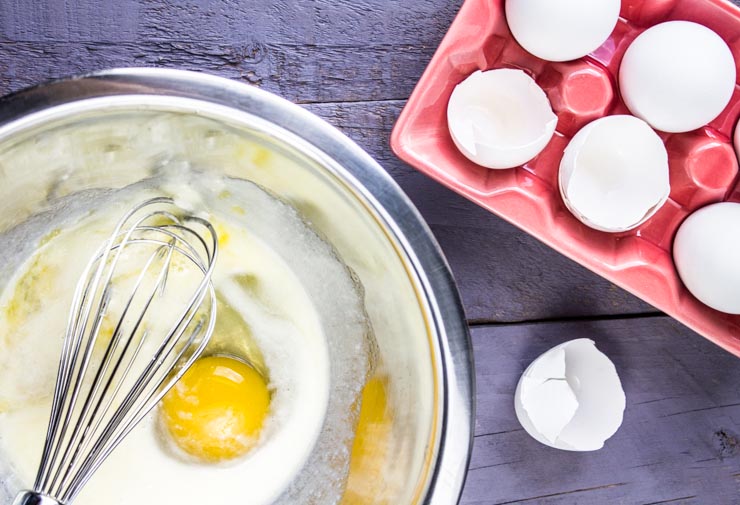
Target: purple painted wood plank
(306, 51)
(297, 72)
(308, 22)
(84, 20)
(681, 434)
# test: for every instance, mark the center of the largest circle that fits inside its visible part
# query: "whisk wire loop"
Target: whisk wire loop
(79, 440)
(78, 329)
(101, 394)
(70, 351)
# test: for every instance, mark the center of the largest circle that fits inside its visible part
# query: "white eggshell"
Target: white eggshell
(571, 397)
(500, 118)
(677, 76)
(614, 173)
(706, 251)
(561, 30)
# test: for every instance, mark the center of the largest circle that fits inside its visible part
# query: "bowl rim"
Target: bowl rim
(368, 180)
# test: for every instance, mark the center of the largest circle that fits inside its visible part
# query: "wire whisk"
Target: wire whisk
(142, 313)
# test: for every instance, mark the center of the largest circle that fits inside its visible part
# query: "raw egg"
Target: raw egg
(561, 30)
(216, 410)
(371, 444)
(677, 76)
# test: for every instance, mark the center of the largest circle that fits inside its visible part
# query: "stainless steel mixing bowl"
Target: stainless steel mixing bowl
(115, 128)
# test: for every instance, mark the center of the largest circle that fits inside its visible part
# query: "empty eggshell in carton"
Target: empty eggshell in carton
(614, 173)
(500, 118)
(571, 397)
(561, 30)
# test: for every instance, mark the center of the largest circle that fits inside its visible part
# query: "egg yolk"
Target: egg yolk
(371, 446)
(216, 410)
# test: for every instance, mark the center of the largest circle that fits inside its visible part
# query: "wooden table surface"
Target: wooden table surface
(354, 63)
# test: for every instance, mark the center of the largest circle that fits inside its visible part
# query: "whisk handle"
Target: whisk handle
(34, 498)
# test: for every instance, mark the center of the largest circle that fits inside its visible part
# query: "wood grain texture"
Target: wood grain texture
(305, 51)
(680, 440)
(313, 22)
(299, 73)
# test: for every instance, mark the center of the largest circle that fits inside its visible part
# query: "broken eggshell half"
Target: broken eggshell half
(614, 173)
(500, 118)
(570, 397)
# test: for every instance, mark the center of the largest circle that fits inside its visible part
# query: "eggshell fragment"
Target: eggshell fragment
(561, 30)
(614, 173)
(500, 118)
(677, 76)
(705, 252)
(571, 397)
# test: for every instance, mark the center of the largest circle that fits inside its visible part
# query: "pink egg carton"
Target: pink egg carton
(703, 163)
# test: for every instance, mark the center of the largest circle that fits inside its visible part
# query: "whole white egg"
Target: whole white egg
(705, 252)
(561, 30)
(677, 76)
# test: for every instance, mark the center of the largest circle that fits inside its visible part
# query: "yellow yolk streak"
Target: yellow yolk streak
(216, 410)
(365, 481)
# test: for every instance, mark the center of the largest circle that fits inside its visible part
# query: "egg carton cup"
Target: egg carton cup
(703, 163)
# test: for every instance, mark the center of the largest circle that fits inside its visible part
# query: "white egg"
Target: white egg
(561, 30)
(571, 397)
(677, 76)
(500, 118)
(705, 252)
(614, 173)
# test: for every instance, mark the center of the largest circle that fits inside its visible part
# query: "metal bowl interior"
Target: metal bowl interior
(117, 128)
